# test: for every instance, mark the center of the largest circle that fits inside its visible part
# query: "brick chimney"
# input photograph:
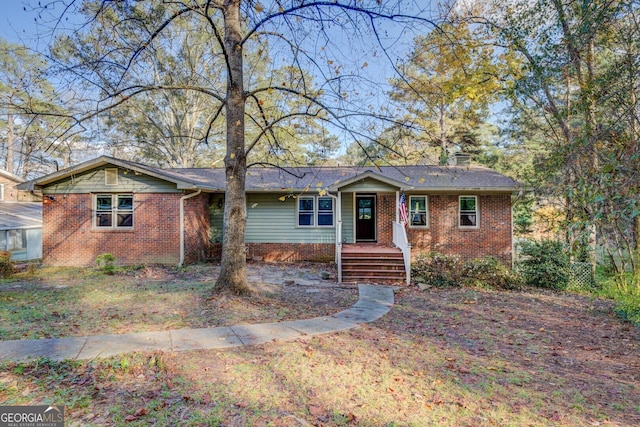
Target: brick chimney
(462, 159)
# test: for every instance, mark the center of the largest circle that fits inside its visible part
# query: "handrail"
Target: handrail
(339, 250)
(402, 243)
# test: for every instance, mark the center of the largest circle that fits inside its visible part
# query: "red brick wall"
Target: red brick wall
(68, 237)
(284, 252)
(492, 237)
(386, 214)
(196, 236)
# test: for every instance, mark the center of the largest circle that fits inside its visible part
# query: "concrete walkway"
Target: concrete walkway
(373, 303)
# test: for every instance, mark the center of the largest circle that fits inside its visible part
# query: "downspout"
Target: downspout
(338, 201)
(182, 199)
(338, 256)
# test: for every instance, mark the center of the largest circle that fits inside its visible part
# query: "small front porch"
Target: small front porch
(371, 242)
(370, 262)
(374, 246)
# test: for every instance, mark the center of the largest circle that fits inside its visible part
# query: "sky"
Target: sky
(29, 26)
(16, 25)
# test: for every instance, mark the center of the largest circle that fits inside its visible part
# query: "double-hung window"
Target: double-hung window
(114, 211)
(418, 211)
(325, 212)
(315, 211)
(306, 211)
(468, 211)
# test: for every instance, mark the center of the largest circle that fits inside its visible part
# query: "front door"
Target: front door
(365, 218)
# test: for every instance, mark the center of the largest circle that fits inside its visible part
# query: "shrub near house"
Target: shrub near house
(441, 270)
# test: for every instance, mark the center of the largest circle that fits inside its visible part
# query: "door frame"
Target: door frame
(374, 212)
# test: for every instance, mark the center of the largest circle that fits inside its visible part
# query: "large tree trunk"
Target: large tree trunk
(233, 269)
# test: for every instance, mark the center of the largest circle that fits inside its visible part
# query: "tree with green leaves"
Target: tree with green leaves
(330, 41)
(447, 84)
(576, 75)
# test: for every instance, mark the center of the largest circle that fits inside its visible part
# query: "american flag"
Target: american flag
(404, 216)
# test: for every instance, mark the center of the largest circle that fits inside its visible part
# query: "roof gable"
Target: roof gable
(102, 161)
(363, 177)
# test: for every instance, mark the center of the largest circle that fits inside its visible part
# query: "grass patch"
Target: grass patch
(627, 298)
(54, 302)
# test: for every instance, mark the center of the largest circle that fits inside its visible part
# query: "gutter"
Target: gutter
(182, 199)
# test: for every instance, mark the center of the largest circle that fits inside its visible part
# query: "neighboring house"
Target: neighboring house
(142, 214)
(9, 192)
(20, 219)
(21, 230)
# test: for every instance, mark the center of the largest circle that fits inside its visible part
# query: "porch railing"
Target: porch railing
(401, 241)
(339, 250)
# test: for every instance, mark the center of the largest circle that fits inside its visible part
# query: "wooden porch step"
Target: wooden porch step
(374, 279)
(371, 266)
(370, 263)
(383, 257)
(381, 274)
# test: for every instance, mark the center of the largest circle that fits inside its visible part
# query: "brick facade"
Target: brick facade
(69, 238)
(492, 237)
(283, 252)
(196, 231)
(386, 214)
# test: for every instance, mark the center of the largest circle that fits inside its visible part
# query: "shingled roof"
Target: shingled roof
(438, 178)
(432, 178)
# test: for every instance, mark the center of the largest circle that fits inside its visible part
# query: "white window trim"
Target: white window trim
(333, 212)
(316, 212)
(469, 227)
(315, 205)
(426, 205)
(114, 211)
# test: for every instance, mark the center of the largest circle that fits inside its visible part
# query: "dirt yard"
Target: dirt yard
(445, 357)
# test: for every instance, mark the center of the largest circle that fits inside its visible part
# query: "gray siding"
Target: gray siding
(270, 220)
(94, 182)
(348, 234)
